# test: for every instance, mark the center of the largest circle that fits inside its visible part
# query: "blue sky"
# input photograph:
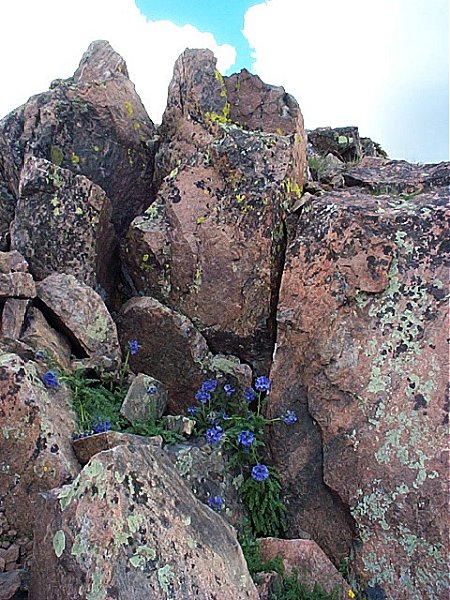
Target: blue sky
(379, 64)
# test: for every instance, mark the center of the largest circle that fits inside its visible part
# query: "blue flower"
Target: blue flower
(192, 410)
(100, 426)
(289, 417)
(203, 396)
(216, 502)
(260, 472)
(250, 394)
(50, 379)
(229, 391)
(262, 384)
(209, 385)
(152, 389)
(134, 346)
(246, 438)
(214, 434)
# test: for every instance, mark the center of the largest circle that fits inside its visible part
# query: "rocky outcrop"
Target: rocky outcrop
(63, 225)
(311, 563)
(93, 124)
(173, 351)
(218, 220)
(80, 313)
(36, 425)
(361, 358)
(129, 523)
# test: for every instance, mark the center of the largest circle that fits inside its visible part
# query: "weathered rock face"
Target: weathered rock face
(342, 142)
(36, 425)
(218, 221)
(309, 560)
(80, 313)
(173, 351)
(94, 125)
(361, 357)
(7, 206)
(129, 523)
(63, 224)
(383, 176)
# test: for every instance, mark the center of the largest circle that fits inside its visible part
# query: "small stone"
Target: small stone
(179, 424)
(146, 400)
(17, 285)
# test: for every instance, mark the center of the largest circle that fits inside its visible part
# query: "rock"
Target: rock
(343, 142)
(361, 358)
(11, 554)
(128, 522)
(207, 473)
(45, 340)
(173, 351)
(146, 399)
(13, 318)
(258, 106)
(264, 584)
(12, 262)
(62, 225)
(383, 176)
(309, 560)
(7, 206)
(371, 148)
(9, 584)
(17, 285)
(80, 313)
(36, 425)
(87, 447)
(327, 170)
(218, 221)
(179, 424)
(94, 127)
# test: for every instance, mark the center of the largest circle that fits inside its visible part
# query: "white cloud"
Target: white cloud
(352, 62)
(41, 40)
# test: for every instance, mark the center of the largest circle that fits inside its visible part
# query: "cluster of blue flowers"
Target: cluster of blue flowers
(220, 427)
(133, 346)
(50, 379)
(216, 503)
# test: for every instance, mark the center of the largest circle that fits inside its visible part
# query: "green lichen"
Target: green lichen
(165, 578)
(98, 329)
(183, 464)
(142, 555)
(74, 158)
(93, 472)
(59, 543)
(56, 155)
(129, 108)
(97, 591)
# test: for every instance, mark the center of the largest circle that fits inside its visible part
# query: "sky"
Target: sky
(379, 64)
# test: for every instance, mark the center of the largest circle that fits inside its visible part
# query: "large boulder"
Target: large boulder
(173, 351)
(212, 244)
(93, 124)
(36, 424)
(361, 356)
(63, 225)
(128, 522)
(80, 314)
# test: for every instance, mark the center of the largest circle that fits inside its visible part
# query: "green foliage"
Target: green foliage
(289, 587)
(265, 508)
(235, 415)
(285, 586)
(318, 166)
(96, 400)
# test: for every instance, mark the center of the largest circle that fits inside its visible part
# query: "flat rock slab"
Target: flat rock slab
(12, 320)
(128, 522)
(87, 447)
(397, 176)
(312, 564)
(81, 314)
(13, 261)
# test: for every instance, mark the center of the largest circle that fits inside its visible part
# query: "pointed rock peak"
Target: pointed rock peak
(99, 62)
(197, 87)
